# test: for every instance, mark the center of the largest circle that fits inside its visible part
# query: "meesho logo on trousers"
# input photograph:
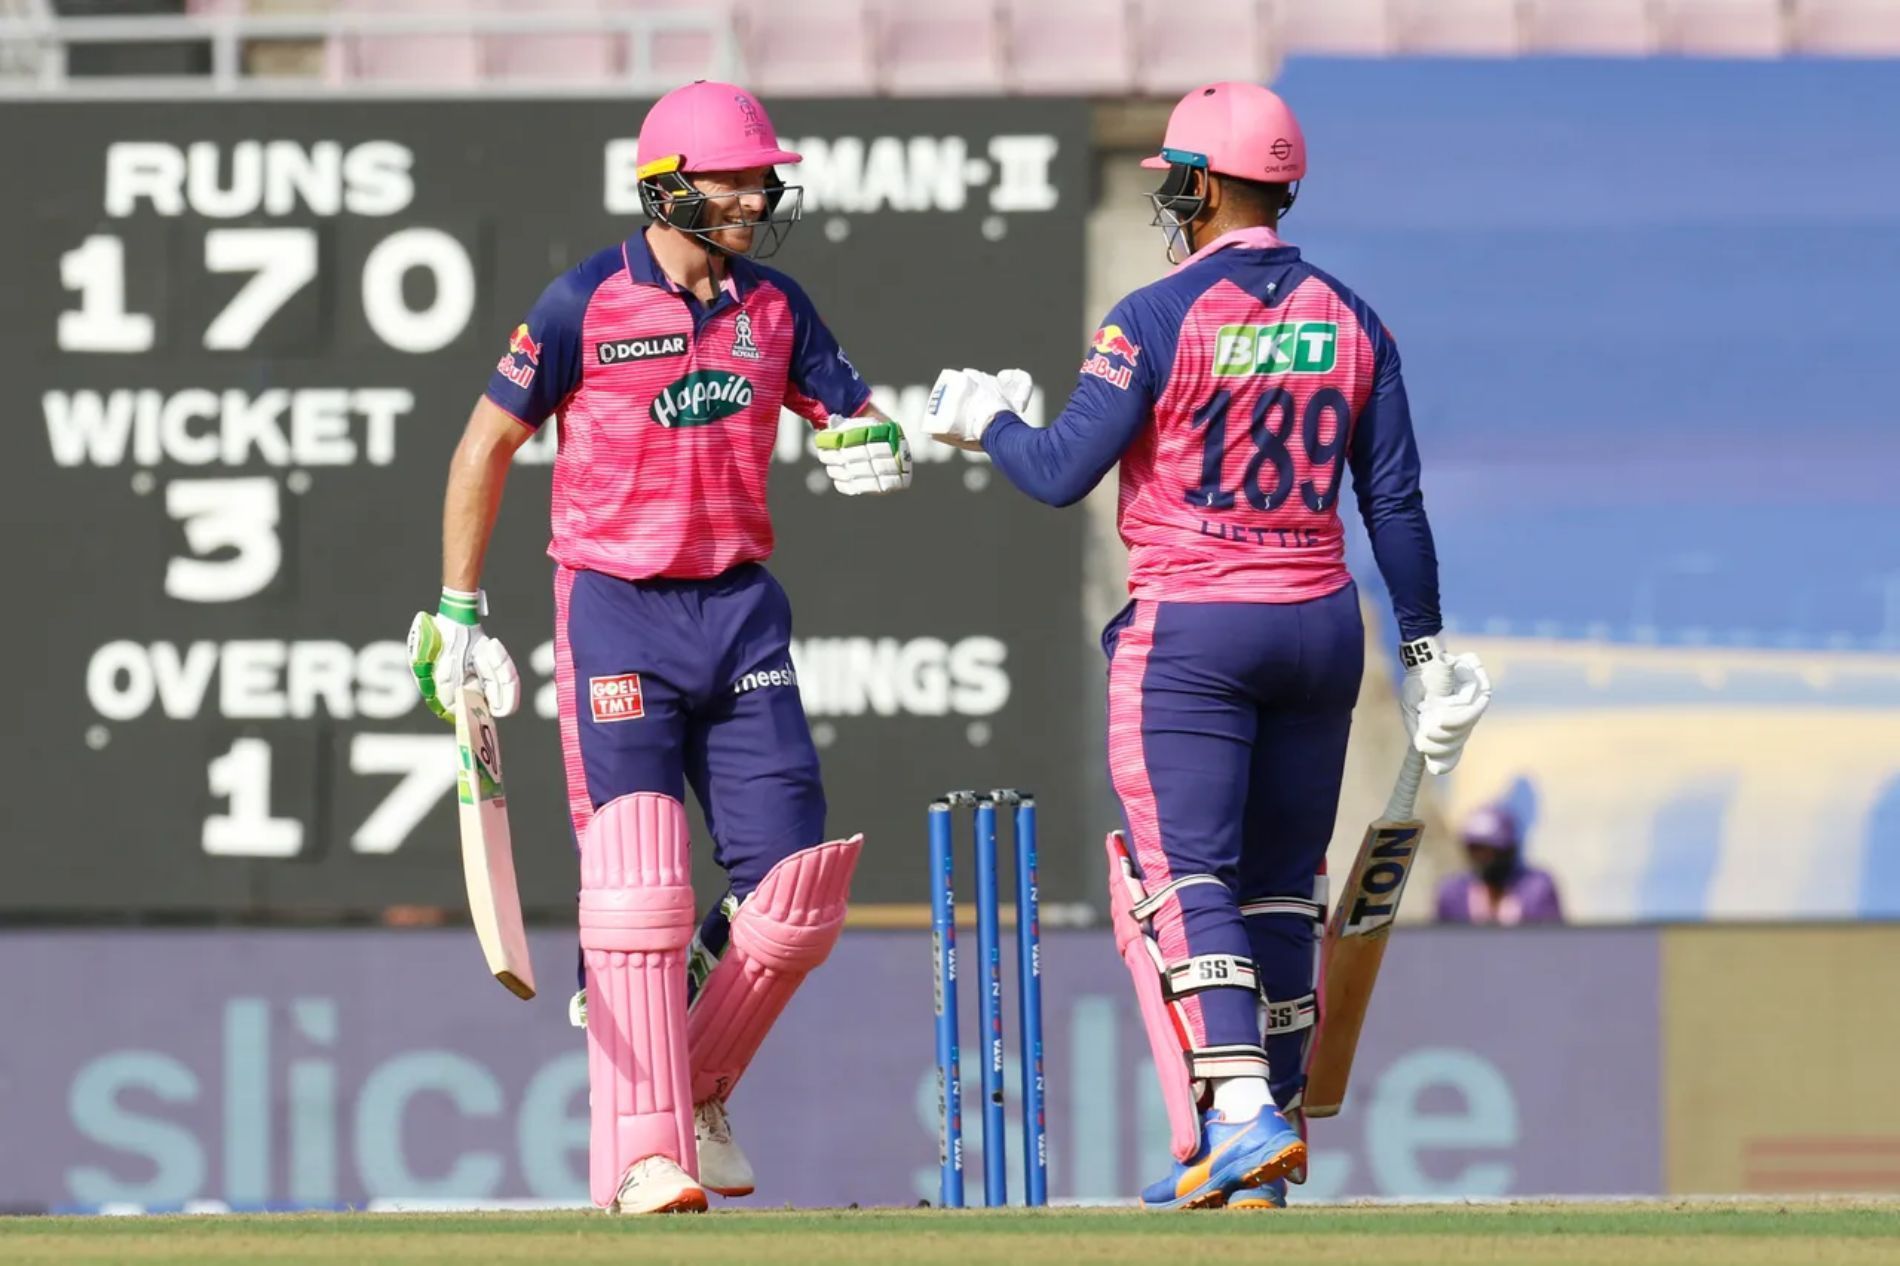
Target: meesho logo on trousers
(703, 396)
(1292, 347)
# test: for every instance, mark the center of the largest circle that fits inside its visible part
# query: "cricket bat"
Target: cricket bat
(1355, 939)
(488, 859)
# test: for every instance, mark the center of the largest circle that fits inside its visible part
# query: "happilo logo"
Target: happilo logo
(1292, 347)
(703, 396)
(616, 698)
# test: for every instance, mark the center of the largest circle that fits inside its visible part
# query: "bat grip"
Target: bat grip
(1404, 801)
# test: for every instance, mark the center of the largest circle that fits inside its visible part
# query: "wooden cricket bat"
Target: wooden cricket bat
(488, 859)
(1355, 939)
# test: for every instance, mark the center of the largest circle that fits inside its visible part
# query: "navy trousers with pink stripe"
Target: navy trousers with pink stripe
(1227, 731)
(670, 683)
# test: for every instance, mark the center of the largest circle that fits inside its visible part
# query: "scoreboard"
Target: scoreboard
(246, 337)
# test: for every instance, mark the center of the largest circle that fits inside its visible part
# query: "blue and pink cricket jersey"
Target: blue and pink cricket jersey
(672, 642)
(1237, 394)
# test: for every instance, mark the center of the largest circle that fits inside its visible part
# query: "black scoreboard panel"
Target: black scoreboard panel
(246, 337)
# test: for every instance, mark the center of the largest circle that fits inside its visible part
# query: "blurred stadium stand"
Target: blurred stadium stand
(1641, 303)
(850, 47)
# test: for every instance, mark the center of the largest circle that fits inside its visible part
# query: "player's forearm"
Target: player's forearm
(477, 473)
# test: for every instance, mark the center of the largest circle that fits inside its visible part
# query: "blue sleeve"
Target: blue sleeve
(1113, 400)
(541, 366)
(1385, 473)
(819, 374)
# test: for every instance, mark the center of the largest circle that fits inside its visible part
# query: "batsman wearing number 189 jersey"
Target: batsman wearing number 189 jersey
(1237, 394)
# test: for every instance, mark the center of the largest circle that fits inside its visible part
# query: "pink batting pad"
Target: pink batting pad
(1165, 1039)
(636, 920)
(783, 930)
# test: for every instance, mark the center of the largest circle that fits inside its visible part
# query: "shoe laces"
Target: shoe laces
(712, 1117)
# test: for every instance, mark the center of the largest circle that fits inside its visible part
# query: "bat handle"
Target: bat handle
(1404, 801)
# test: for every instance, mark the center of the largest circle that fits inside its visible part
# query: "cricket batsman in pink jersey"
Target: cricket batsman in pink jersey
(1235, 393)
(666, 358)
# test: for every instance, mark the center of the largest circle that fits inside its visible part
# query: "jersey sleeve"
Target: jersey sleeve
(541, 365)
(822, 382)
(1113, 400)
(1385, 480)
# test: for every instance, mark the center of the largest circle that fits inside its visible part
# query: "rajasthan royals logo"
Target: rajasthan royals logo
(749, 114)
(742, 345)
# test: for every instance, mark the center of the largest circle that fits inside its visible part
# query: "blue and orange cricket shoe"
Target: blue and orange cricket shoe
(1233, 1155)
(1267, 1196)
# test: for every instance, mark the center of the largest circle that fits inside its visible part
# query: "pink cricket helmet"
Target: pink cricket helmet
(710, 126)
(1240, 129)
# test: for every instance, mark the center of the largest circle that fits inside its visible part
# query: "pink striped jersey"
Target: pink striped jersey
(668, 408)
(1235, 393)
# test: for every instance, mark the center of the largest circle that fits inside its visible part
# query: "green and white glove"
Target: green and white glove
(865, 458)
(449, 647)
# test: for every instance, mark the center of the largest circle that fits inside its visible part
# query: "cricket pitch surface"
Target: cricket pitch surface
(1534, 1233)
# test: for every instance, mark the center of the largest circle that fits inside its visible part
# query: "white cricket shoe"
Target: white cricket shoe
(723, 1168)
(658, 1185)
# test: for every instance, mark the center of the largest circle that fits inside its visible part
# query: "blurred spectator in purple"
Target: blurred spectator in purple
(1499, 889)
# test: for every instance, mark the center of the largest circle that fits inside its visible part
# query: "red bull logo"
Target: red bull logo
(520, 343)
(1110, 341)
(517, 364)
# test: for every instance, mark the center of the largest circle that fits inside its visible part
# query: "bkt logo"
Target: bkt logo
(1293, 347)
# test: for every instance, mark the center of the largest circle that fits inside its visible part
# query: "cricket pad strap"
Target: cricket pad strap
(1167, 1039)
(636, 918)
(1291, 1022)
(783, 930)
(1280, 1016)
(1299, 907)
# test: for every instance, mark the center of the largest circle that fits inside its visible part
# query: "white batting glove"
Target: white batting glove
(965, 401)
(865, 458)
(449, 647)
(1442, 698)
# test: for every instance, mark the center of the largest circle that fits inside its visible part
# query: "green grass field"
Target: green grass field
(1715, 1233)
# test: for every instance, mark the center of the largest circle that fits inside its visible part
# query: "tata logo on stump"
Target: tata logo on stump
(703, 396)
(1293, 347)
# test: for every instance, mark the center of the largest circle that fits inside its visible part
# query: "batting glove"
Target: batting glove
(449, 647)
(965, 401)
(1442, 699)
(865, 458)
